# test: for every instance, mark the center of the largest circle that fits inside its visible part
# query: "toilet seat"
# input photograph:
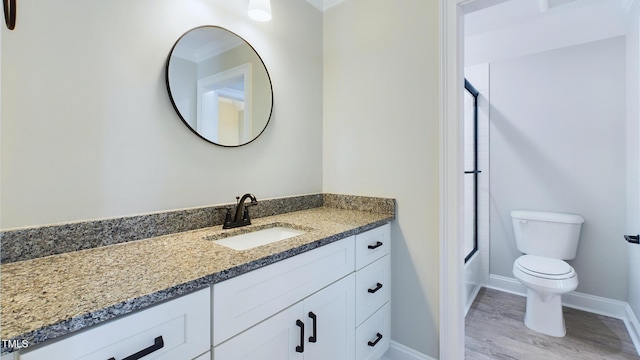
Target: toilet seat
(544, 267)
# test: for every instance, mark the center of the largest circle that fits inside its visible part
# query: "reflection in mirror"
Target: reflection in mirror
(219, 86)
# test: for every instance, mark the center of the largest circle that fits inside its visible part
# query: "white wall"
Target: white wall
(88, 130)
(381, 138)
(558, 143)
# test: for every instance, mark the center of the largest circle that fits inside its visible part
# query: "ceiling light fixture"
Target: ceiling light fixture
(260, 10)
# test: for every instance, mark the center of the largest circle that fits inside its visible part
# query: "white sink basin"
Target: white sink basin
(259, 237)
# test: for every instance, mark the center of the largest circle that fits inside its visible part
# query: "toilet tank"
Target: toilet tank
(548, 234)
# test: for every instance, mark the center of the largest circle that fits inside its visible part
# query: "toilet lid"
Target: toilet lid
(545, 267)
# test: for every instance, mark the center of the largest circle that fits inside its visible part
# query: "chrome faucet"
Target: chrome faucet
(241, 217)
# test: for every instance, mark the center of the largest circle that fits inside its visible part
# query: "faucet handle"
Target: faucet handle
(227, 216)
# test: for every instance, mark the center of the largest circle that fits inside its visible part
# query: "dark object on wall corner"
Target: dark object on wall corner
(10, 13)
(633, 239)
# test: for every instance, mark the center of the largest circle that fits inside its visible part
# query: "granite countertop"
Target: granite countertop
(45, 298)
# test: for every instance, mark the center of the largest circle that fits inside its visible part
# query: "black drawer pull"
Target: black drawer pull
(375, 289)
(376, 245)
(300, 348)
(314, 338)
(632, 239)
(158, 343)
(378, 338)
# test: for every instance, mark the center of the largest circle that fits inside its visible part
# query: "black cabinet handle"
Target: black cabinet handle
(376, 245)
(378, 338)
(633, 239)
(300, 348)
(375, 289)
(158, 343)
(313, 338)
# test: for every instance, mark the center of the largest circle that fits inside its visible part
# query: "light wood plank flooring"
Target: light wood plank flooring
(495, 329)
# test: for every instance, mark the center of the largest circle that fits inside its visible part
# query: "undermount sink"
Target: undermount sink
(258, 237)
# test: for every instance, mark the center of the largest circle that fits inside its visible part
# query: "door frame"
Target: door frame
(451, 172)
(452, 295)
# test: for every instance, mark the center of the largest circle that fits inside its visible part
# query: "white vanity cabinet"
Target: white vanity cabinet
(318, 328)
(373, 292)
(342, 288)
(280, 305)
(177, 329)
(328, 303)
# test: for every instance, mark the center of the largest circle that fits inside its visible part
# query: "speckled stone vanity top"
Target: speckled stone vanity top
(52, 296)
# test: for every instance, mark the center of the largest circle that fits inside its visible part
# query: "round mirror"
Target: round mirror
(219, 86)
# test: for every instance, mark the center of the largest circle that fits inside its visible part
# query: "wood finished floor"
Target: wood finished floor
(495, 329)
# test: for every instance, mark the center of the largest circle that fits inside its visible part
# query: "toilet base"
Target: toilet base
(544, 314)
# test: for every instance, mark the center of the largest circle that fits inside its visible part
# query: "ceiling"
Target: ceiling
(323, 5)
(512, 28)
(491, 15)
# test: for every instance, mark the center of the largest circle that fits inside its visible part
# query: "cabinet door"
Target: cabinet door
(330, 322)
(250, 298)
(278, 337)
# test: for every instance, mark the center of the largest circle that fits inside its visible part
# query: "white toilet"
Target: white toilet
(546, 239)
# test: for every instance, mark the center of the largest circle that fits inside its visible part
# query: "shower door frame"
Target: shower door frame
(472, 90)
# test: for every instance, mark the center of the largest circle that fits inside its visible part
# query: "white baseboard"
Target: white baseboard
(594, 304)
(590, 303)
(506, 284)
(472, 297)
(633, 327)
(398, 351)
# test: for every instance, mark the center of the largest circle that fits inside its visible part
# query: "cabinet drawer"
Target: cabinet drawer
(179, 328)
(243, 301)
(373, 288)
(373, 336)
(372, 245)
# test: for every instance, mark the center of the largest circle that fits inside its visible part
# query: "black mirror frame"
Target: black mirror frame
(178, 111)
